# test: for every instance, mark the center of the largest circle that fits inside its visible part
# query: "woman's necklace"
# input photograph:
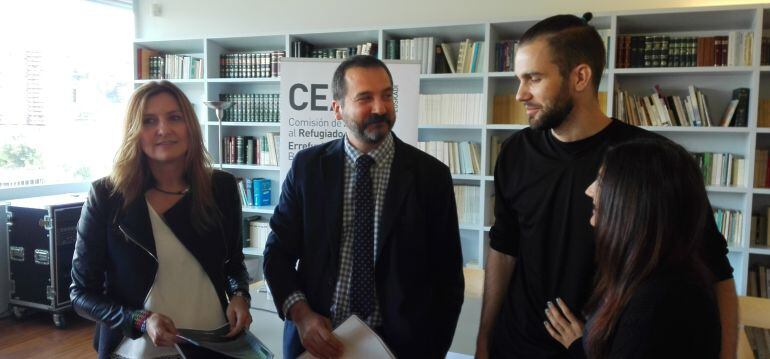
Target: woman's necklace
(177, 193)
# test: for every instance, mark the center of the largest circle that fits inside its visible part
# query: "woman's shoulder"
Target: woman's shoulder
(103, 187)
(102, 183)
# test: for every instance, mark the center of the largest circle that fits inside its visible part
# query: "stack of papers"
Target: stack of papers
(359, 340)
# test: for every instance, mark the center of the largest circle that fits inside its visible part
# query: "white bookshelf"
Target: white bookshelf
(716, 82)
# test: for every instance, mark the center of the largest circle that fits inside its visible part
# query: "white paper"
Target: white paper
(359, 340)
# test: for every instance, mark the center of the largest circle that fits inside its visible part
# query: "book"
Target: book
(460, 157)
(696, 113)
(430, 54)
(200, 344)
(143, 62)
(262, 191)
(728, 115)
(246, 233)
(441, 66)
(763, 116)
(242, 191)
(463, 56)
(449, 57)
(258, 233)
(359, 340)
(740, 118)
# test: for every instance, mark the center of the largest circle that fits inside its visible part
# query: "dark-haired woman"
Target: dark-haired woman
(158, 242)
(653, 296)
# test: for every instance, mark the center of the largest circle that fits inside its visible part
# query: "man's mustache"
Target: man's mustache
(375, 119)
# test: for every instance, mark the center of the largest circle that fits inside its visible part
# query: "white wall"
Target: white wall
(201, 18)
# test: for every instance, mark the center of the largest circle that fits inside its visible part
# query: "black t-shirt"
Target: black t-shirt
(541, 218)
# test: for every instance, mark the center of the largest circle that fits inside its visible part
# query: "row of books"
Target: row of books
(245, 235)
(721, 169)
(505, 54)
(505, 51)
(255, 191)
(460, 157)
(250, 107)
(661, 110)
(451, 109)
(763, 113)
(465, 56)
(301, 48)
(764, 58)
(761, 168)
(760, 233)
(250, 64)
(495, 143)
(467, 199)
(506, 110)
(757, 286)
(250, 150)
(730, 224)
(470, 56)
(259, 230)
(684, 51)
(151, 65)
(421, 49)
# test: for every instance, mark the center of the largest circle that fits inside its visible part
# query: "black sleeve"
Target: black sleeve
(237, 275)
(715, 250)
(284, 244)
(89, 263)
(504, 234)
(576, 350)
(446, 263)
(633, 334)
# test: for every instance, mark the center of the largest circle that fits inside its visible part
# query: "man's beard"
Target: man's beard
(552, 117)
(371, 137)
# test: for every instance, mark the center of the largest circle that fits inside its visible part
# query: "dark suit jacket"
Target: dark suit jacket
(114, 264)
(418, 270)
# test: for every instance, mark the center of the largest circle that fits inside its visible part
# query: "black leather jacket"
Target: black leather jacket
(115, 262)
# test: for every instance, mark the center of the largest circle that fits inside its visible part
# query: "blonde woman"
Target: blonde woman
(158, 242)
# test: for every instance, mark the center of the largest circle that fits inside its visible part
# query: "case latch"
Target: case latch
(50, 294)
(42, 256)
(8, 217)
(46, 222)
(17, 253)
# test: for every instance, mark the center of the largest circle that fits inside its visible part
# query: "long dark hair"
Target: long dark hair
(651, 214)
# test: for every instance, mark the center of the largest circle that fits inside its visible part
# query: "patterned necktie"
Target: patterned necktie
(362, 280)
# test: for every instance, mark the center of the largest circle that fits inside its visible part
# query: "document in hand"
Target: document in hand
(359, 340)
(210, 344)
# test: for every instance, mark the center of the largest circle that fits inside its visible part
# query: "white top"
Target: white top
(182, 291)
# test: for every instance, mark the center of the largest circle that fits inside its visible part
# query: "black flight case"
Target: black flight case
(41, 241)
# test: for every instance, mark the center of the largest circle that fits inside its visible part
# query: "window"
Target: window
(65, 79)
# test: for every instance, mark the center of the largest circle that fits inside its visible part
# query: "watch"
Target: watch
(244, 294)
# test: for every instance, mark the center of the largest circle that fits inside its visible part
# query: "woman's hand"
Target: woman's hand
(238, 315)
(161, 330)
(561, 324)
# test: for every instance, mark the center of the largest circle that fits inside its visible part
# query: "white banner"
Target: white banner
(307, 117)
